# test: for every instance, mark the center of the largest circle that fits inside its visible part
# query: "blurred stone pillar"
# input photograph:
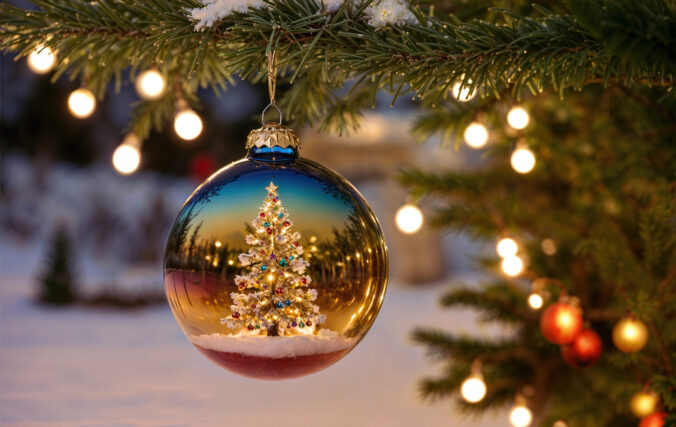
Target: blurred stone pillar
(370, 159)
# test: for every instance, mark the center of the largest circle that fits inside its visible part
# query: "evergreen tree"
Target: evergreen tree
(275, 295)
(57, 281)
(594, 220)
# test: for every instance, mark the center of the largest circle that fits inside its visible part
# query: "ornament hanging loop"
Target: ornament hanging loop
(271, 104)
(272, 85)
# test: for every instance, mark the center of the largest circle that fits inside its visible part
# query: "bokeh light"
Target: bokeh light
(473, 389)
(462, 94)
(476, 135)
(520, 416)
(187, 124)
(548, 246)
(127, 156)
(41, 60)
(535, 301)
(523, 160)
(150, 84)
(512, 266)
(518, 118)
(506, 247)
(81, 103)
(409, 218)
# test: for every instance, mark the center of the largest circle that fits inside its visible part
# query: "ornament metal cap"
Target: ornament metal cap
(273, 135)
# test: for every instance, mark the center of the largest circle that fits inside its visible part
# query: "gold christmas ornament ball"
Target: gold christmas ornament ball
(643, 403)
(630, 335)
(275, 267)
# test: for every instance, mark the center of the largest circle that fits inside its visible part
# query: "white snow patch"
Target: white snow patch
(215, 10)
(325, 341)
(382, 13)
(331, 5)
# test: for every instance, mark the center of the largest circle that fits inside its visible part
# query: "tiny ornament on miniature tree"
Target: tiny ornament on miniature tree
(291, 291)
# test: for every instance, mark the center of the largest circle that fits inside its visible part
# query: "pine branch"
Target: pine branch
(496, 302)
(515, 51)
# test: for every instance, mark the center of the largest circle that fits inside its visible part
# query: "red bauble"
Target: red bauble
(584, 351)
(657, 419)
(561, 323)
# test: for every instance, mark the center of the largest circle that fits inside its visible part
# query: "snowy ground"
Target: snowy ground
(82, 367)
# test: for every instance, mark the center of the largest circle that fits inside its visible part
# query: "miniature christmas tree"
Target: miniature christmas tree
(274, 296)
(57, 280)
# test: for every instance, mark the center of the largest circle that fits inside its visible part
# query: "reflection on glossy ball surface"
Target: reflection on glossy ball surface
(235, 277)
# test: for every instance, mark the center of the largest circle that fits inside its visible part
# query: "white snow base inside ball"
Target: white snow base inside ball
(326, 341)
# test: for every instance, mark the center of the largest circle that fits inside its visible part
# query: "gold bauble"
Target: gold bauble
(630, 335)
(643, 403)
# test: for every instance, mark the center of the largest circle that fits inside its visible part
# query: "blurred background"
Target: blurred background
(85, 332)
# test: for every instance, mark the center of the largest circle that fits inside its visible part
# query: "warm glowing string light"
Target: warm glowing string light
(187, 124)
(548, 246)
(150, 84)
(462, 93)
(127, 157)
(409, 218)
(473, 389)
(520, 416)
(518, 118)
(81, 103)
(476, 135)
(512, 266)
(535, 301)
(41, 60)
(523, 159)
(506, 247)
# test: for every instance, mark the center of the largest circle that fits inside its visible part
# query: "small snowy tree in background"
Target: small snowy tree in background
(274, 295)
(57, 282)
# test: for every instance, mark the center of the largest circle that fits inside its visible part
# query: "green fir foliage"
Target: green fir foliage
(492, 51)
(57, 281)
(603, 188)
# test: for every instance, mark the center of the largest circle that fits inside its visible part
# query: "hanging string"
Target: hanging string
(272, 85)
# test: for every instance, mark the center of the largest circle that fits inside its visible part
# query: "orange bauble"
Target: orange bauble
(644, 403)
(630, 335)
(657, 419)
(584, 351)
(561, 323)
